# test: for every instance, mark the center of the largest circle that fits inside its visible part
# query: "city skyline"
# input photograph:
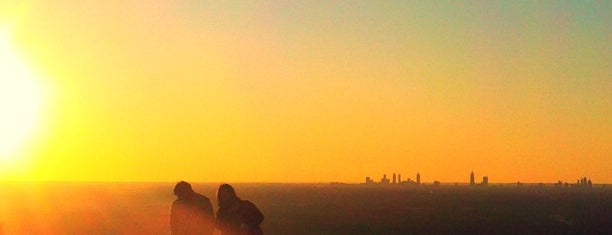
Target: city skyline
(582, 181)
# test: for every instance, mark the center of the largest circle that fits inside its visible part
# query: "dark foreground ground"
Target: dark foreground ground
(143, 208)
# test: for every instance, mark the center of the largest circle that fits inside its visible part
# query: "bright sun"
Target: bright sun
(20, 99)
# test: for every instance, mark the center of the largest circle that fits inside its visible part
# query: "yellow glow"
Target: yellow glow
(20, 98)
(304, 92)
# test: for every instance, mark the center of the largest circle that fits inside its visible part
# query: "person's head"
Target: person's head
(226, 195)
(182, 189)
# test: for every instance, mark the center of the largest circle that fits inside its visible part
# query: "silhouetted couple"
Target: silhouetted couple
(192, 213)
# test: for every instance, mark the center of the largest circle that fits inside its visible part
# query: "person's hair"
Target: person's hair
(227, 190)
(182, 189)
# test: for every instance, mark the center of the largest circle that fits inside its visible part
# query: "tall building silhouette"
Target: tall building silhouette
(399, 178)
(418, 178)
(394, 178)
(485, 180)
(384, 180)
(472, 182)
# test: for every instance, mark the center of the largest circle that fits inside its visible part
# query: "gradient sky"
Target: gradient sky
(316, 91)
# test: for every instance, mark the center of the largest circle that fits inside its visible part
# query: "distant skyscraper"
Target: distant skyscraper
(485, 180)
(399, 178)
(384, 180)
(472, 182)
(418, 178)
(394, 178)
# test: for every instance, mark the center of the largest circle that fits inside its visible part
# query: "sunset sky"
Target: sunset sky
(306, 91)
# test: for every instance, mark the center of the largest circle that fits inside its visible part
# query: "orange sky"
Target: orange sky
(316, 91)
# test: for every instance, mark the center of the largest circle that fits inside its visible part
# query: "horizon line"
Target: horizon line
(273, 182)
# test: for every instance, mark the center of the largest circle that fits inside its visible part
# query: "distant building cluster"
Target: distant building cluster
(485, 180)
(583, 182)
(397, 179)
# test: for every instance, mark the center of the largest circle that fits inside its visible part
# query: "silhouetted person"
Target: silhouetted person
(236, 216)
(191, 212)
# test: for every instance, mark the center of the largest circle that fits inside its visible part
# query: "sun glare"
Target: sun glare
(20, 98)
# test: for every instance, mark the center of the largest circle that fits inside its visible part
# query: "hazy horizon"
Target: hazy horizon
(354, 182)
(297, 209)
(315, 91)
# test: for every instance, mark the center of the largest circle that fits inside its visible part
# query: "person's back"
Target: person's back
(191, 213)
(235, 216)
(244, 218)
